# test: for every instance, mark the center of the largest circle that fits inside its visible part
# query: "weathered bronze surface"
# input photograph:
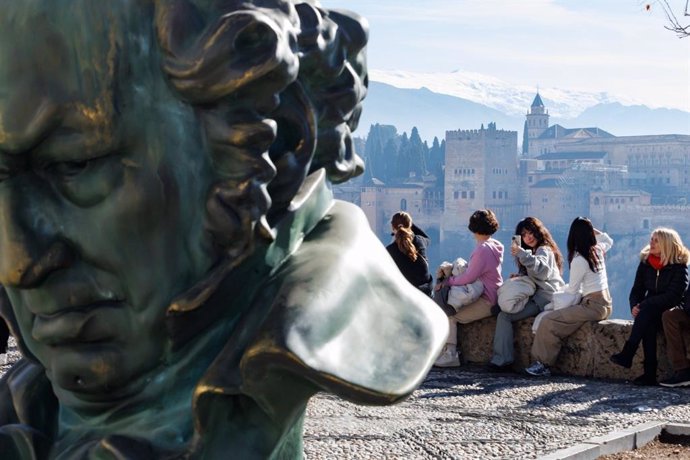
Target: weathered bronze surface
(176, 271)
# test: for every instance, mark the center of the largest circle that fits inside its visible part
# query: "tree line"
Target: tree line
(394, 158)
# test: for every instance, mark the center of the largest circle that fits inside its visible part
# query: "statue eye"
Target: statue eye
(68, 169)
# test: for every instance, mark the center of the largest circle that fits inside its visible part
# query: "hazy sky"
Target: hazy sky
(613, 46)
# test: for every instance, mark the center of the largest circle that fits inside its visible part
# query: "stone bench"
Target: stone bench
(585, 353)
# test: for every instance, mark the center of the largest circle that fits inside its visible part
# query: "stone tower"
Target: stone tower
(481, 172)
(537, 121)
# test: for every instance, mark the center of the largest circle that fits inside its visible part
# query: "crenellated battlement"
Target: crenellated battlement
(465, 134)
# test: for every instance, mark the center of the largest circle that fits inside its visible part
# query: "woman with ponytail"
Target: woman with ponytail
(408, 250)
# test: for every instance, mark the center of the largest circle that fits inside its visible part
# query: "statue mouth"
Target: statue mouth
(86, 324)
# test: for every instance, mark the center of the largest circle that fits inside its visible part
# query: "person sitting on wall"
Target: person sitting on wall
(539, 259)
(660, 282)
(484, 265)
(408, 251)
(586, 249)
(676, 323)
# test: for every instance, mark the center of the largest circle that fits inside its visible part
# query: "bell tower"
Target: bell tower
(537, 121)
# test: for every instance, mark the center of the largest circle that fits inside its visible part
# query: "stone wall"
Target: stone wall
(585, 353)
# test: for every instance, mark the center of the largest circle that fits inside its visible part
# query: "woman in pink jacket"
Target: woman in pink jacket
(485, 265)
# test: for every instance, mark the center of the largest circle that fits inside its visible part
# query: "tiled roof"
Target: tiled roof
(559, 132)
(537, 101)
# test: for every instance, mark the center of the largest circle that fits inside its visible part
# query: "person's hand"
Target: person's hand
(515, 249)
(635, 310)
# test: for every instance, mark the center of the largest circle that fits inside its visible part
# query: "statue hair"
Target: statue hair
(277, 86)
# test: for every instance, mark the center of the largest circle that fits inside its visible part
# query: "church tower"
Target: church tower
(537, 122)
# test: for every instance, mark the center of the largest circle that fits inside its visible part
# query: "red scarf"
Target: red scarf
(655, 262)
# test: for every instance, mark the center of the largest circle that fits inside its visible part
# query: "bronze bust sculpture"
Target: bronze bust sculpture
(175, 269)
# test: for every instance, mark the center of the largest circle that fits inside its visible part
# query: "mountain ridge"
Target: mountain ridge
(434, 113)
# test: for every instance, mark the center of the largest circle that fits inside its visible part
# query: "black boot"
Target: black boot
(625, 357)
(648, 380)
(649, 376)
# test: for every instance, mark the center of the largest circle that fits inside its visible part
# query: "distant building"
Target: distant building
(627, 185)
(380, 202)
(659, 164)
(537, 122)
(480, 172)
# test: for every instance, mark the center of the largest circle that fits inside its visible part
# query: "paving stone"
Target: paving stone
(678, 428)
(467, 413)
(578, 452)
(617, 441)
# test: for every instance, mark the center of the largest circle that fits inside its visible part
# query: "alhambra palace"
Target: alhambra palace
(626, 184)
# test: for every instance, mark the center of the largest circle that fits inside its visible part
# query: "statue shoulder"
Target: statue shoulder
(28, 410)
(345, 316)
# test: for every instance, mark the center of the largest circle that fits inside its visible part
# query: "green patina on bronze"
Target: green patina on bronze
(176, 271)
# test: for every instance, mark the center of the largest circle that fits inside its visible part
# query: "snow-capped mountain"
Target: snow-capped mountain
(492, 92)
(436, 103)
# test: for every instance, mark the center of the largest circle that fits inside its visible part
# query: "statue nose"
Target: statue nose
(57, 256)
(30, 248)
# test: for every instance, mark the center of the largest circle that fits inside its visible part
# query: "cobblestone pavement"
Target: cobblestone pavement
(467, 413)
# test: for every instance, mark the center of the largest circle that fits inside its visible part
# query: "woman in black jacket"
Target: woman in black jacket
(408, 250)
(660, 282)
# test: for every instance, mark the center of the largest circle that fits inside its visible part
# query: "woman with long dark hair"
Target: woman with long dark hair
(539, 259)
(586, 249)
(408, 250)
(660, 282)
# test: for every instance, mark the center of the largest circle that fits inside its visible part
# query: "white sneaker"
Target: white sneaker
(538, 369)
(448, 357)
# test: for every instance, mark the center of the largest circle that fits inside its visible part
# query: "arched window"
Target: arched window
(403, 204)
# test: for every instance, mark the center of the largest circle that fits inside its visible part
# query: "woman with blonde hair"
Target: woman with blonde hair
(660, 282)
(408, 250)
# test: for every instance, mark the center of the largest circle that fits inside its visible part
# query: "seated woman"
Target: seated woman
(586, 248)
(660, 282)
(539, 259)
(408, 250)
(485, 265)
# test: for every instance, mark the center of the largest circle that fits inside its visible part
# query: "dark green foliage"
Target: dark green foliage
(525, 141)
(393, 158)
(436, 159)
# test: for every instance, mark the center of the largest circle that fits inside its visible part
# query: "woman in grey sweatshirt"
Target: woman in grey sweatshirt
(538, 258)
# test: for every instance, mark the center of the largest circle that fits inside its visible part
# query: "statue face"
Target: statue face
(103, 179)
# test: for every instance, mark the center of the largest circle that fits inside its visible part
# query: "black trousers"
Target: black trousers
(4, 336)
(645, 328)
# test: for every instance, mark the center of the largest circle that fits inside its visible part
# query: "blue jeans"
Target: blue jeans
(504, 352)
